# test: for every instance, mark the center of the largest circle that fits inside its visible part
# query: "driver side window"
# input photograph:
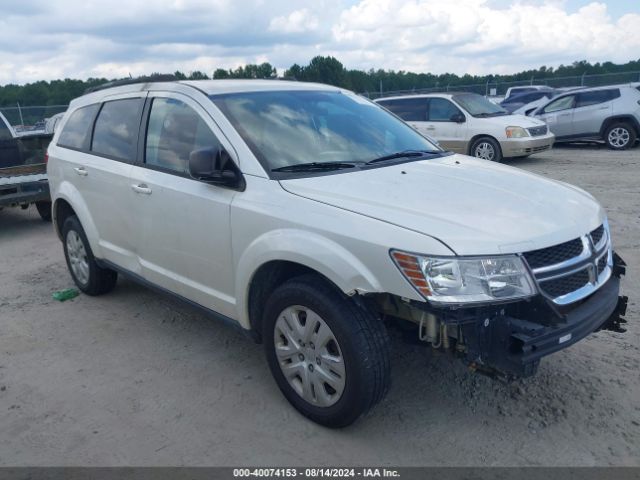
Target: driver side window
(441, 110)
(174, 131)
(563, 103)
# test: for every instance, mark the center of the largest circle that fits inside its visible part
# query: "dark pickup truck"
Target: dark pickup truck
(23, 170)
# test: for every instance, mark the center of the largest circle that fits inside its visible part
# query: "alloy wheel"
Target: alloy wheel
(619, 137)
(485, 151)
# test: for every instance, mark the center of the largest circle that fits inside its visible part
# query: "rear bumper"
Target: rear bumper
(24, 193)
(518, 147)
(512, 347)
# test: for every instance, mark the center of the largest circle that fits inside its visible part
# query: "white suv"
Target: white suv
(314, 219)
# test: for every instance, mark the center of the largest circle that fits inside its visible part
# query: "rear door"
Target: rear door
(558, 115)
(101, 142)
(411, 110)
(591, 110)
(182, 224)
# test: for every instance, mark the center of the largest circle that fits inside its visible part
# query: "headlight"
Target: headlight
(516, 132)
(455, 280)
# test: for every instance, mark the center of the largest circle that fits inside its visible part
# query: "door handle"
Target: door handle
(430, 128)
(81, 171)
(141, 188)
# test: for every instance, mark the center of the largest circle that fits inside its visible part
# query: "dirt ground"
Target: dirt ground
(136, 378)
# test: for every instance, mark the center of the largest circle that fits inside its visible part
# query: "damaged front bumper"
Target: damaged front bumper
(508, 341)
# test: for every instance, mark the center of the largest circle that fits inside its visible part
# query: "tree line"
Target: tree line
(320, 69)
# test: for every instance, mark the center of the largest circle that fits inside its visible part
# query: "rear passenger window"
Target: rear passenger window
(408, 109)
(77, 131)
(598, 96)
(116, 132)
(174, 131)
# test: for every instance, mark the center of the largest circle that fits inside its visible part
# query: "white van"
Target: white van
(470, 124)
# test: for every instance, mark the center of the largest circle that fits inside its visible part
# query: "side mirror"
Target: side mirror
(458, 118)
(215, 166)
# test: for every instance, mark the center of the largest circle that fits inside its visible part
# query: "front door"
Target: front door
(444, 123)
(558, 115)
(184, 241)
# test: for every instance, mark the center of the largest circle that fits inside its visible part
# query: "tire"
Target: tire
(44, 209)
(88, 276)
(620, 136)
(351, 335)
(486, 148)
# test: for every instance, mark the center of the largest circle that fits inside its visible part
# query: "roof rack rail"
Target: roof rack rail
(131, 81)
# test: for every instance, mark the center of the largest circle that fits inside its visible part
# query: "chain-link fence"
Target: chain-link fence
(498, 88)
(30, 118)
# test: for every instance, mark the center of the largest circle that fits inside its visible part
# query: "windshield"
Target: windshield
(285, 128)
(478, 106)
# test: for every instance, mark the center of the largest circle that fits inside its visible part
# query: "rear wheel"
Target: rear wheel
(486, 148)
(44, 209)
(86, 273)
(620, 136)
(329, 357)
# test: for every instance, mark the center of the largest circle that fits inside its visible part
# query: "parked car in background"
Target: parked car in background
(52, 122)
(468, 123)
(23, 175)
(513, 91)
(314, 219)
(515, 102)
(609, 113)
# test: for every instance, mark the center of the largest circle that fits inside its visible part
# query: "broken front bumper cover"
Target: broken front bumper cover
(509, 347)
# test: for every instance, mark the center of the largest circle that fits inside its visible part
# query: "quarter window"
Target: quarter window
(77, 131)
(174, 131)
(116, 132)
(441, 110)
(585, 99)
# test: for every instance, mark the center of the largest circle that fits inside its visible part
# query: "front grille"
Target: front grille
(602, 264)
(596, 235)
(537, 131)
(564, 285)
(553, 255)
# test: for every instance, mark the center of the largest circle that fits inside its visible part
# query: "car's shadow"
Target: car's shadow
(429, 388)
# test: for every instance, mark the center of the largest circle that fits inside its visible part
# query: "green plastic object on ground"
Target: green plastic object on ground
(66, 294)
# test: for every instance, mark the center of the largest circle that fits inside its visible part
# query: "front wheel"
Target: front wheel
(620, 136)
(85, 271)
(486, 148)
(329, 356)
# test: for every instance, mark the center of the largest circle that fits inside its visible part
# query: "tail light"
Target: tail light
(46, 157)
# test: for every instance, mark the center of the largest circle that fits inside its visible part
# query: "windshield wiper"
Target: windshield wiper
(402, 154)
(310, 166)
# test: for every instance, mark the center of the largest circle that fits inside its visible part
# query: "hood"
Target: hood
(513, 120)
(474, 206)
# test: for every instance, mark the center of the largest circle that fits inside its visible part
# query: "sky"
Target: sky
(51, 39)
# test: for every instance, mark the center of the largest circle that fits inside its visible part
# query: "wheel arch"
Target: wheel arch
(620, 118)
(279, 256)
(477, 137)
(68, 201)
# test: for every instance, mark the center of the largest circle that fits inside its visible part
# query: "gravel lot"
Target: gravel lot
(136, 378)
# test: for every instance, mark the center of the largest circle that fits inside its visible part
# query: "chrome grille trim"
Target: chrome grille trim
(589, 261)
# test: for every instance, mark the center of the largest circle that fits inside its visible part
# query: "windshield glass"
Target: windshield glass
(285, 128)
(478, 106)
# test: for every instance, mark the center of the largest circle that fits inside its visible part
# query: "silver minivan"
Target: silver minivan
(608, 113)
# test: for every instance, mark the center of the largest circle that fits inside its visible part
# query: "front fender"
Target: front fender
(69, 193)
(312, 250)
